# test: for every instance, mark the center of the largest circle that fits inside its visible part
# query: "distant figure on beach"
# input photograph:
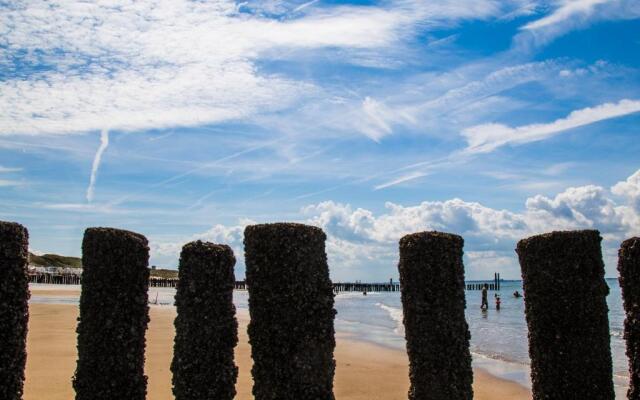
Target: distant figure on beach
(498, 301)
(485, 302)
(364, 293)
(517, 294)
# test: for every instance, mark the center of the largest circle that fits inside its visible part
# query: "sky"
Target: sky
(183, 120)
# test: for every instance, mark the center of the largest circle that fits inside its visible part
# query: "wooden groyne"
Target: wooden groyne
(365, 287)
(114, 314)
(163, 282)
(291, 330)
(492, 285)
(565, 308)
(629, 268)
(203, 363)
(567, 315)
(435, 328)
(55, 278)
(14, 309)
(172, 282)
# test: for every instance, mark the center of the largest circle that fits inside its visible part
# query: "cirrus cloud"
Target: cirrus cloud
(74, 66)
(488, 137)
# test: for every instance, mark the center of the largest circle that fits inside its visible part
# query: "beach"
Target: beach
(364, 370)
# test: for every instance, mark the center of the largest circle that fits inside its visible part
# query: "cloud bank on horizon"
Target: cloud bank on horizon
(357, 235)
(493, 119)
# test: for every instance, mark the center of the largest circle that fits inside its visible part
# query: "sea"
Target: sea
(499, 341)
(498, 338)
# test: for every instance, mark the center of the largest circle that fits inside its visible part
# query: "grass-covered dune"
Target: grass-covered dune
(55, 260)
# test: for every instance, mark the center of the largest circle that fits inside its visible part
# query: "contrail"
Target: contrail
(104, 143)
(305, 5)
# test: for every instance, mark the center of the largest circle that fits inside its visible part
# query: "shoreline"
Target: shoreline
(364, 370)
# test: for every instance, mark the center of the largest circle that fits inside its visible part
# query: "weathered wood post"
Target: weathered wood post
(206, 327)
(432, 291)
(14, 308)
(629, 269)
(291, 306)
(566, 312)
(114, 313)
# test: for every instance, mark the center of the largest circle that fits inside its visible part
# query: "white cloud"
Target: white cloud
(187, 95)
(438, 105)
(344, 256)
(466, 218)
(104, 143)
(630, 190)
(463, 92)
(571, 15)
(86, 208)
(378, 118)
(576, 207)
(9, 182)
(135, 65)
(488, 137)
(358, 238)
(568, 10)
(490, 234)
(9, 169)
(469, 95)
(494, 82)
(483, 264)
(221, 234)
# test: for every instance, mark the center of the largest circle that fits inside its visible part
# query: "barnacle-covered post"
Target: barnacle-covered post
(437, 334)
(114, 313)
(566, 312)
(629, 269)
(291, 306)
(14, 309)
(206, 327)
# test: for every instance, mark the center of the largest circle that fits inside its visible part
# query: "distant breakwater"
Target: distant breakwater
(54, 278)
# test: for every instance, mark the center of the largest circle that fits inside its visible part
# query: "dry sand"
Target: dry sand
(364, 371)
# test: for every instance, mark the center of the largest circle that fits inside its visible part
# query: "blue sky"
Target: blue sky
(492, 119)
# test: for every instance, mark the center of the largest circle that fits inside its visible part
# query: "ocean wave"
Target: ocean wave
(617, 333)
(485, 355)
(396, 316)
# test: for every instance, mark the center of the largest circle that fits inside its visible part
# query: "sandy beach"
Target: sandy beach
(364, 370)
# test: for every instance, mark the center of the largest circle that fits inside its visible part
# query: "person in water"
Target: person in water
(498, 301)
(485, 302)
(517, 294)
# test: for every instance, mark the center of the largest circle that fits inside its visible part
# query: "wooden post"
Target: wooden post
(629, 269)
(566, 312)
(14, 308)
(432, 279)
(206, 327)
(114, 313)
(291, 306)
